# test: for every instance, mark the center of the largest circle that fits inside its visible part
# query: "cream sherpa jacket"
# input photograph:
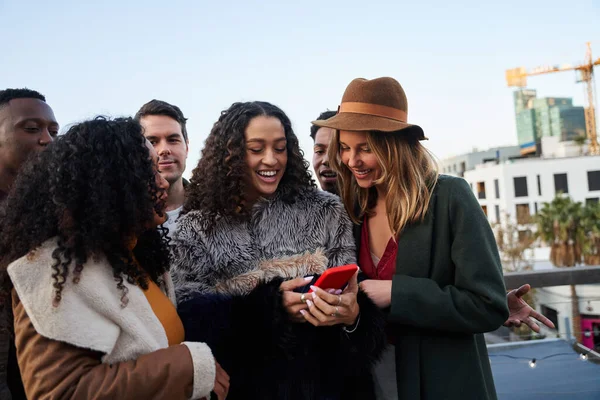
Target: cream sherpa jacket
(90, 315)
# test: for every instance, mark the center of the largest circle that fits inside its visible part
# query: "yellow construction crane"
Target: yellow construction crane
(518, 77)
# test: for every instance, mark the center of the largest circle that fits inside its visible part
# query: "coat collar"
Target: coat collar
(90, 313)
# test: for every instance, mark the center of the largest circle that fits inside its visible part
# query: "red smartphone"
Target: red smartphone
(336, 277)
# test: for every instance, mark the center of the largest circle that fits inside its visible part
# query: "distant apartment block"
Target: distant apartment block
(519, 187)
(537, 118)
(458, 165)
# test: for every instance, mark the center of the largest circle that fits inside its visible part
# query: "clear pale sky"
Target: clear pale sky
(110, 57)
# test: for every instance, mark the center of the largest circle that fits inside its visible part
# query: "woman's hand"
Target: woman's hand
(221, 382)
(378, 291)
(327, 309)
(521, 312)
(292, 301)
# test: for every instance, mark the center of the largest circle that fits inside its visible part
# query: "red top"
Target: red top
(387, 265)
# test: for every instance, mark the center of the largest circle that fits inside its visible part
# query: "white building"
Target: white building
(458, 165)
(519, 187)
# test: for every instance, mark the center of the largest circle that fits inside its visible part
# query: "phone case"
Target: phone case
(336, 277)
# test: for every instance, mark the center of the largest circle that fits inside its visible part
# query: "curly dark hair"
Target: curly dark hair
(217, 187)
(93, 189)
(322, 116)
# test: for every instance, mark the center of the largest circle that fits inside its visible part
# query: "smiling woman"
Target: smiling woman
(253, 227)
(424, 245)
(266, 156)
(247, 144)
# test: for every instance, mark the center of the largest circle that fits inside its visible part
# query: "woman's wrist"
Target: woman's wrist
(351, 320)
(352, 328)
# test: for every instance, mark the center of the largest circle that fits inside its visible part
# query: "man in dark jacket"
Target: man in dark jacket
(27, 126)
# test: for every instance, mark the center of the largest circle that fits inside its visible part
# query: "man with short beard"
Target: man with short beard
(322, 136)
(165, 128)
(27, 126)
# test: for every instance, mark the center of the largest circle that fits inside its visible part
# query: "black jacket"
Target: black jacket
(269, 357)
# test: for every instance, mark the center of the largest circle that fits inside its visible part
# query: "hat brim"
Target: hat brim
(363, 122)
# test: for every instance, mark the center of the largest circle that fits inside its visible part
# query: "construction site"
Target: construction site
(555, 117)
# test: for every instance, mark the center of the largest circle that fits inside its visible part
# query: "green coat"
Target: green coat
(448, 289)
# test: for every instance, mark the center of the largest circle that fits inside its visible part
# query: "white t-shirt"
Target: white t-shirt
(171, 222)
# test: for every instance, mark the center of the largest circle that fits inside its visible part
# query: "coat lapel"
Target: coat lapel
(414, 246)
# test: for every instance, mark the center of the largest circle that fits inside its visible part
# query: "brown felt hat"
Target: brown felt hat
(373, 105)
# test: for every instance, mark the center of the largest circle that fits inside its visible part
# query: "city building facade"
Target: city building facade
(538, 118)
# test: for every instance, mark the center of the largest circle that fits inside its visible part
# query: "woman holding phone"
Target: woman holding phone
(425, 246)
(253, 230)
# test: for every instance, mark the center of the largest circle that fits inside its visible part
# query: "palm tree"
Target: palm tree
(590, 222)
(559, 224)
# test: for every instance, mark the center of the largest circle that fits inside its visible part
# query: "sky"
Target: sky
(111, 57)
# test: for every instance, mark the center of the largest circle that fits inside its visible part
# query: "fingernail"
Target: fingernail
(339, 291)
(314, 295)
(308, 278)
(302, 312)
(310, 304)
(330, 291)
(314, 288)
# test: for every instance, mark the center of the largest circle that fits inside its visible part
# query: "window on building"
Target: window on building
(481, 190)
(497, 212)
(591, 200)
(560, 183)
(593, 180)
(535, 207)
(539, 184)
(497, 188)
(551, 314)
(523, 214)
(484, 208)
(520, 186)
(463, 168)
(525, 236)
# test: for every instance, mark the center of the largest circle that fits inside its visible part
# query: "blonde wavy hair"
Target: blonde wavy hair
(409, 175)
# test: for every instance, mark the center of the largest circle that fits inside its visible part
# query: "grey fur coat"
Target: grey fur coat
(280, 240)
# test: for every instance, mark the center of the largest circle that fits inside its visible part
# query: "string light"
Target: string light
(589, 300)
(546, 334)
(533, 362)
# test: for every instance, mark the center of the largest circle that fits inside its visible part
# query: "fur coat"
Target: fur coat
(227, 284)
